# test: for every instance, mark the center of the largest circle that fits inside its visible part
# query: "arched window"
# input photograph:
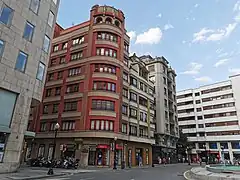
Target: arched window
(108, 20)
(117, 23)
(99, 20)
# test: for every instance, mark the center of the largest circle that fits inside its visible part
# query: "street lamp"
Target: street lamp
(56, 128)
(115, 153)
(188, 153)
(223, 159)
(205, 147)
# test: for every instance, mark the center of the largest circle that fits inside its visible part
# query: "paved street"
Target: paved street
(170, 172)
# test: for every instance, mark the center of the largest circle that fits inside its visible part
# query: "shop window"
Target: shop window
(3, 138)
(41, 150)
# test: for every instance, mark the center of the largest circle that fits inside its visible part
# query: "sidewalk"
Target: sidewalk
(27, 173)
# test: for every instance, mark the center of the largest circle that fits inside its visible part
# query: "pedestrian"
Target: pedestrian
(164, 161)
(159, 160)
(200, 161)
(140, 161)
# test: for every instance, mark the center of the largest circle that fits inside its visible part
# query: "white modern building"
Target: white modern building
(210, 116)
(26, 30)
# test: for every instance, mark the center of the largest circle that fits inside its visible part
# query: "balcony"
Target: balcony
(73, 95)
(71, 114)
(52, 98)
(103, 113)
(78, 46)
(59, 53)
(180, 115)
(106, 42)
(104, 94)
(75, 78)
(141, 123)
(53, 83)
(107, 28)
(124, 117)
(104, 75)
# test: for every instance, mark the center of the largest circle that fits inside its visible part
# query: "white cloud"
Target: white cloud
(194, 68)
(206, 34)
(203, 79)
(159, 15)
(151, 36)
(184, 42)
(219, 50)
(131, 34)
(168, 26)
(223, 55)
(234, 71)
(237, 18)
(196, 5)
(221, 62)
(236, 6)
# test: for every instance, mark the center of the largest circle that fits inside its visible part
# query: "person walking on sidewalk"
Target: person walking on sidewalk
(140, 161)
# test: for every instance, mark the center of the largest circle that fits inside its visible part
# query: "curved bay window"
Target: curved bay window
(107, 36)
(105, 68)
(105, 86)
(106, 52)
(103, 105)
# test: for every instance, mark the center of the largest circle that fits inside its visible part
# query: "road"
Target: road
(169, 172)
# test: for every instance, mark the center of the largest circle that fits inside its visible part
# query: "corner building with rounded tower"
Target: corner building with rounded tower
(85, 92)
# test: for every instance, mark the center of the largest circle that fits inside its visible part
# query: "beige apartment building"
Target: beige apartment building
(26, 29)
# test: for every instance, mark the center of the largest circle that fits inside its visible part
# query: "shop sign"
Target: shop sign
(102, 146)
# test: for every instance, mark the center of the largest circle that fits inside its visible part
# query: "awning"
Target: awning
(5, 129)
(30, 134)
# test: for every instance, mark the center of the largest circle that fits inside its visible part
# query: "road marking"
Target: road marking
(185, 175)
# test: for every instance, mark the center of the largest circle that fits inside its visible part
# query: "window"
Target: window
(55, 108)
(77, 41)
(152, 79)
(52, 126)
(106, 52)
(59, 74)
(48, 92)
(106, 86)
(97, 124)
(105, 68)
(142, 101)
(50, 77)
(62, 60)
(76, 56)
(74, 71)
(213, 145)
(103, 125)
(6, 15)
(103, 105)
(224, 144)
(68, 125)
(197, 94)
(124, 128)
(198, 101)
(28, 31)
(200, 126)
(55, 48)
(21, 61)
(126, 47)
(199, 109)
(70, 106)
(151, 68)
(111, 126)
(133, 113)
(125, 93)
(164, 80)
(40, 71)
(143, 116)
(199, 117)
(53, 62)
(57, 91)
(46, 43)
(2, 43)
(133, 130)
(50, 19)
(151, 91)
(34, 6)
(133, 81)
(64, 46)
(45, 109)
(124, 109)
(43, 127)
(72, 88)
(125, 76)
(133, 97)
(107, 36)
(92, 125)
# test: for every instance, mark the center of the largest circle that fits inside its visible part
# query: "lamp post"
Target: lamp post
(188, 155)
(115, 153)
(205, 147)
(223, 159)
(56, 128)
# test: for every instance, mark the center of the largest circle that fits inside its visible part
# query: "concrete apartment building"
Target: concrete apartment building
(210, 116)
(26, 28)
(167, 132)
(97, 94)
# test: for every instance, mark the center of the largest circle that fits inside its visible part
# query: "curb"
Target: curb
(38, 177)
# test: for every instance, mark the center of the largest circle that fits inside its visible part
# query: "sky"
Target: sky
(199, 38)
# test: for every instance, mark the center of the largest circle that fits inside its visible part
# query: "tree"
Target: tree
(182, 143)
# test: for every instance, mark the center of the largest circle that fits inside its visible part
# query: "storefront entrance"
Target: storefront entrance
(139, 155)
